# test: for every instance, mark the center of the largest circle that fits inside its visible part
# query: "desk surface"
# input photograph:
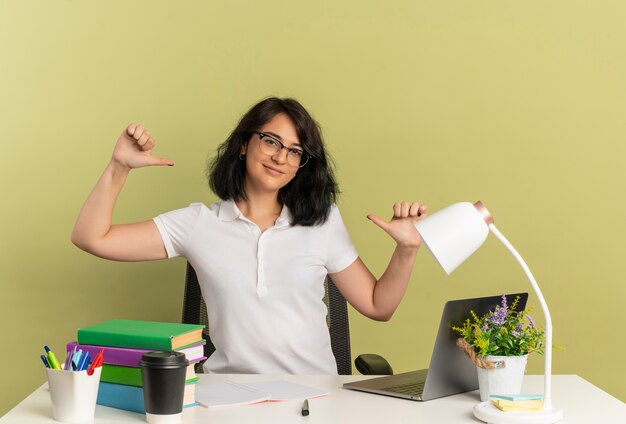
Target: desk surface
(580, 401)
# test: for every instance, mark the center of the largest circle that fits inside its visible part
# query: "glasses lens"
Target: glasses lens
(270, 146)
(301, 159)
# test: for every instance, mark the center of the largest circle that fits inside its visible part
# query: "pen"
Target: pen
(52, 359)
(305, 408)
(45, 361)
(97, 361)
(76, 359)
(68, 360)
(84, 362)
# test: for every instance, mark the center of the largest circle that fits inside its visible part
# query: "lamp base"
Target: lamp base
(487, 412)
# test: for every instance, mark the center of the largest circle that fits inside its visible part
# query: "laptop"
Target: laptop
(450, 371)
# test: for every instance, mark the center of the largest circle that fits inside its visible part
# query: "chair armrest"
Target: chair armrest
(372, 364)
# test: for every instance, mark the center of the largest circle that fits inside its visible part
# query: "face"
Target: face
(269, 173)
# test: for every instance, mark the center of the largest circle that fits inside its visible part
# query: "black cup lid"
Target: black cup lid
(164, 359)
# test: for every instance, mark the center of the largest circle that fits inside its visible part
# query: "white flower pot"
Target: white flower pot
(507, 380)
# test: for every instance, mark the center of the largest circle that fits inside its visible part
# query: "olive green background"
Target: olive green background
(520, 104)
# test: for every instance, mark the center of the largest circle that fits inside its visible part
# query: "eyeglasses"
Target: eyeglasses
(271, 146)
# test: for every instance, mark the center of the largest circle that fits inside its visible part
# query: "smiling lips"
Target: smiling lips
(273, 171)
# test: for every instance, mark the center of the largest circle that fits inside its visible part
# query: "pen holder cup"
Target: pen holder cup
(73, 394)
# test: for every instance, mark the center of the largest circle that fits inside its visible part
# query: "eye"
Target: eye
(269, 141)
(296, 152)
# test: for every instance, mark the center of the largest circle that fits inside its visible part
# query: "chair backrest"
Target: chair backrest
(194, 312)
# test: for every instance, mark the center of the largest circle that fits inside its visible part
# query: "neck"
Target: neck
(261, 208)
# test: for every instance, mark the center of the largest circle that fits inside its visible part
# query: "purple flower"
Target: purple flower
(532, 323)
(497, 317)
(519, 327)
(516, 333)
(485, 328)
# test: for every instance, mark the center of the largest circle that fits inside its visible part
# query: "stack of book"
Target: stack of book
(124, 343)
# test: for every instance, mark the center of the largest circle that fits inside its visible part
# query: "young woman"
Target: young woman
(262, 253)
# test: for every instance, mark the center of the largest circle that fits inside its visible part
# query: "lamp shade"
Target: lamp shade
(455, 232)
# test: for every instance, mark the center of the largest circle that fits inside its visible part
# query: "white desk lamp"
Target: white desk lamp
(452, 235)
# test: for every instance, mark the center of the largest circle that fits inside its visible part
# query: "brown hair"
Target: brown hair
(310, 194)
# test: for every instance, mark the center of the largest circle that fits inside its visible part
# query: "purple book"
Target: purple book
(131, 357)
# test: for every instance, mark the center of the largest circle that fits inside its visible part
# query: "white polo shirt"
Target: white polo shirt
(264, 291)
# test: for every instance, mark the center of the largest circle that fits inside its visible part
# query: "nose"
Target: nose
(279, 157)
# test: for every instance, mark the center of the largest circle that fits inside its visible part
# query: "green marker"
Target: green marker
(52, 359)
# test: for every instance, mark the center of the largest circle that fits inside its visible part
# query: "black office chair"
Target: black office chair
(194, 312)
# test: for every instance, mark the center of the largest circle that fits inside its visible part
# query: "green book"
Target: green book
(150, 335)
(131, 376)
(118, 374)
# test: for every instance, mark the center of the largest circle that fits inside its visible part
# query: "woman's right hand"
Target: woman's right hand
(134, 149)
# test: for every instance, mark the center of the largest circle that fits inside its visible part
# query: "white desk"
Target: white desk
(581, 402)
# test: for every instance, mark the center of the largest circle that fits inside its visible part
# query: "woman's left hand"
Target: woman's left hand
(401, 227)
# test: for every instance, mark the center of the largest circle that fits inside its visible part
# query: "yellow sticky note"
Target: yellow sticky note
(520, 406)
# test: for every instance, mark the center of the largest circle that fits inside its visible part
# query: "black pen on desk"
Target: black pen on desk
(305, 408)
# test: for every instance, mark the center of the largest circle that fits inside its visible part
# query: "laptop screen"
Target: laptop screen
(450, 371)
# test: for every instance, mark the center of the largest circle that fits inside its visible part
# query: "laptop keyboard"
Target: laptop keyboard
(414, 389)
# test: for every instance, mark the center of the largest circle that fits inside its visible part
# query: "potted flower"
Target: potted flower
(499, 343)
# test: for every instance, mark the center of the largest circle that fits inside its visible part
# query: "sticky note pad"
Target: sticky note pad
(519, 406)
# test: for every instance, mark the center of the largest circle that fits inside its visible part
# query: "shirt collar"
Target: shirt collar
(284, 218)
(229, 212)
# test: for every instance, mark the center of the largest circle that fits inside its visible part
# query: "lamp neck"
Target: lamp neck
(547, 379)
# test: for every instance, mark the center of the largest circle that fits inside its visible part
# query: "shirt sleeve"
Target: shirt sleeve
(176, 227)
(341, 251)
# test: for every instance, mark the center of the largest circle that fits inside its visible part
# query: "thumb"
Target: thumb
(154, 161)
(378, 221)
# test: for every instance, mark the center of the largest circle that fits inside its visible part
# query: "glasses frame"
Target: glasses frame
(304, 159)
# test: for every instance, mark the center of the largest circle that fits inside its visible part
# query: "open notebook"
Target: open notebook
(230, 393)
